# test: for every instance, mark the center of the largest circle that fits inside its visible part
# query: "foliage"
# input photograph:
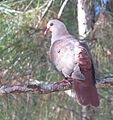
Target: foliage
(24, 55)
(102, 48)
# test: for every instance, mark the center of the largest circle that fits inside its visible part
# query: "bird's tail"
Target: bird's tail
(86, 95)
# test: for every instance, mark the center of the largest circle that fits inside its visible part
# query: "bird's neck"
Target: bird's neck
(57, 35)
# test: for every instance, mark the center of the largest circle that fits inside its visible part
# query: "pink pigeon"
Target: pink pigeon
(72, 58)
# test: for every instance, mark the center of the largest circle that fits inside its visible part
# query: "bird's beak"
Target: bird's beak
(46, 31)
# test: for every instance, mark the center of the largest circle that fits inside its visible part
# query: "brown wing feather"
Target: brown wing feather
(85, 91)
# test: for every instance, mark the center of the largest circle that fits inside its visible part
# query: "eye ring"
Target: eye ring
(51, 24)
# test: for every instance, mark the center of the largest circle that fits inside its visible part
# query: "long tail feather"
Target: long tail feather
(86, 95)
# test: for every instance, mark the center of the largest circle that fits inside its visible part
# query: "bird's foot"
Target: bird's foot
(63, 81)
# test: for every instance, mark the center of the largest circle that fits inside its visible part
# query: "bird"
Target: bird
(72, 58)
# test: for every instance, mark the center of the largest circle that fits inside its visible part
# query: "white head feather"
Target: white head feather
(57, 29)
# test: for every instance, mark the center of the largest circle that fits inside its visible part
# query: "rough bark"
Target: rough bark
(45, 88)
(86, 13)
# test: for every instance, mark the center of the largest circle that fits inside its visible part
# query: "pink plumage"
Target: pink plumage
(73, 59)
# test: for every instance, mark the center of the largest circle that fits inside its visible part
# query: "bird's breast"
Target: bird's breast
(63, 57)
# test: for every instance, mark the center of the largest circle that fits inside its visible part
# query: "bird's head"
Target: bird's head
(56, 27)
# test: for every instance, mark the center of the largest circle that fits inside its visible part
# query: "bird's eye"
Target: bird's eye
(51, 24)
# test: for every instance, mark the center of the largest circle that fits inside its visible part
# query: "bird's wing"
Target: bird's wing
(85, 90)
(83, 64)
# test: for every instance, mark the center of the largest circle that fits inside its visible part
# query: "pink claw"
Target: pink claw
(63, 81)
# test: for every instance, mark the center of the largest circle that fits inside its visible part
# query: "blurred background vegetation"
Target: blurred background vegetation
(24, 56)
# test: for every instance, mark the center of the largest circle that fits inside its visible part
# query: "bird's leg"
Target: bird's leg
(63, 81)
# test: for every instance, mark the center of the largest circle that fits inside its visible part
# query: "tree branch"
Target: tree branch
(105, 82)
(44, 12)
(62, 8)
(36, 86)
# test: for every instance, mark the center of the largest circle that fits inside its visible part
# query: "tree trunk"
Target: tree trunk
(86, 13)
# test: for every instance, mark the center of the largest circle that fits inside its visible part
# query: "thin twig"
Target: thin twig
(28, 5)
(9, 11)
(40, 17)
(62, 8)
(26, 107)
(46, 9)
(37, 8)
